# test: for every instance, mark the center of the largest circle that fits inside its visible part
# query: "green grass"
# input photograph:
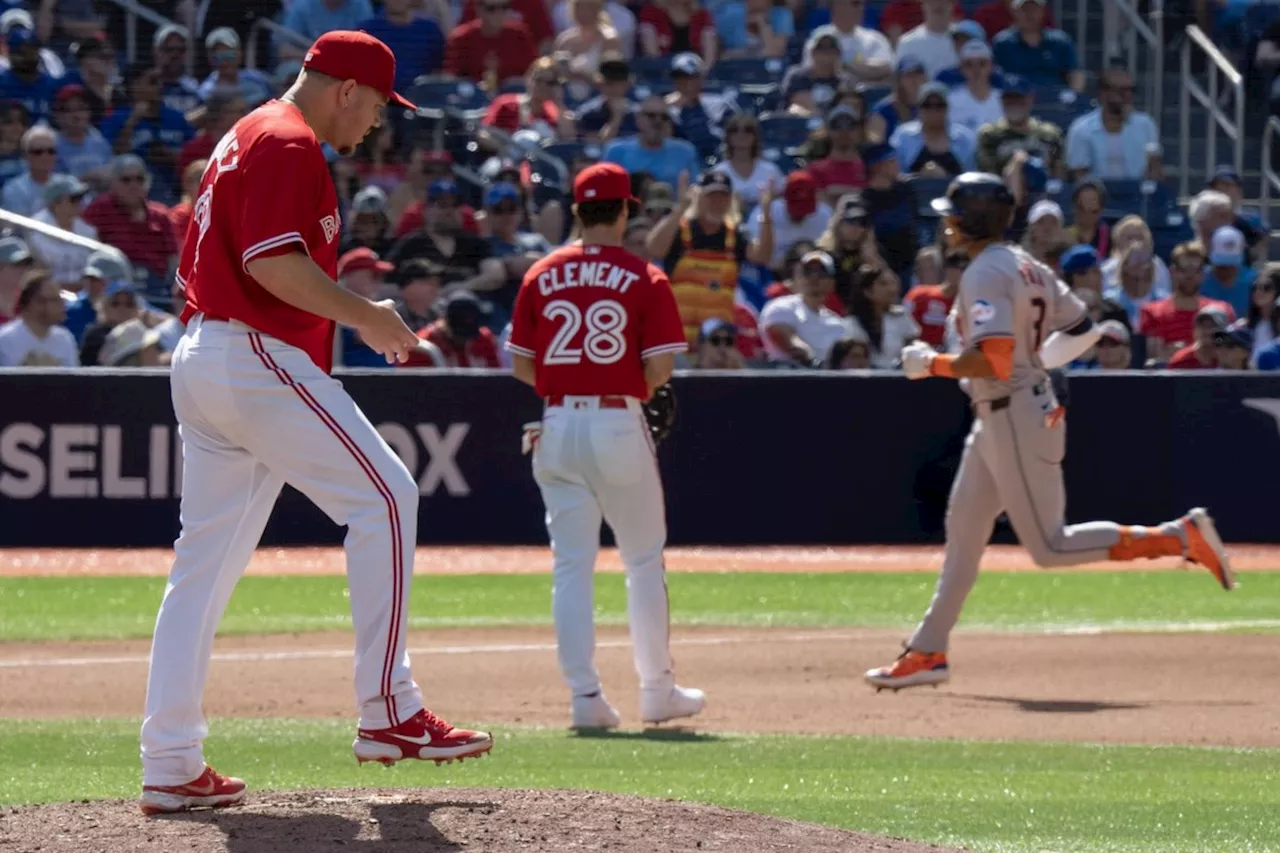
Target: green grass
(123, 607)
(989, 797)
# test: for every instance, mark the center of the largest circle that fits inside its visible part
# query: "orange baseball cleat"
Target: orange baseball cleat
(911, 669)
(1204, 546)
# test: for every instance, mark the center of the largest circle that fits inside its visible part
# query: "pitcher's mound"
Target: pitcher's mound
(427, 821)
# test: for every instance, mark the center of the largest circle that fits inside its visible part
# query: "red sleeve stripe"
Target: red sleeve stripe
(272, 243)
(519, 350)
(182, 282)
(661, 348)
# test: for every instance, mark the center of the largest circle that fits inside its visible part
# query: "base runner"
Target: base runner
(595, 330)
(257, 408)
(1016, 319)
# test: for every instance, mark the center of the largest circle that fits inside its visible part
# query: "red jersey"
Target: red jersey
(589, 315)
(839, 173)
(533, 13)
(480, 351)
(930, 307)
(512, 112)
(1162, 319)
(1187, 358)
(469, 51)
(199, 148)
(266, 191)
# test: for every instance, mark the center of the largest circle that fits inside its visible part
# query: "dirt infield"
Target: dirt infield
(1122, 688)
(532, 560)
(442, 821)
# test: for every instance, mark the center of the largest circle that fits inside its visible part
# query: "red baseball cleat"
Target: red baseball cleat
(423, 736)
(210, 790)
(911, 669)
(1204, 546)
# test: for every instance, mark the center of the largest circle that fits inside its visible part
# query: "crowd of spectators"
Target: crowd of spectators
(784, 206)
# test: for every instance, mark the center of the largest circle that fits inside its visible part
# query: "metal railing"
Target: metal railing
(132, 12)
(1217, 66)
(1139, 33)
(53, 232)
(251, 52)
(1270, 178)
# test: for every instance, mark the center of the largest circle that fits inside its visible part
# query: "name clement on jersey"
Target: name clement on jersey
(586, 274)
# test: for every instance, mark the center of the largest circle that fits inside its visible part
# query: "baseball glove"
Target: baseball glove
(660, 413)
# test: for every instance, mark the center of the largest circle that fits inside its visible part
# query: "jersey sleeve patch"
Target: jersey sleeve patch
(981, 313)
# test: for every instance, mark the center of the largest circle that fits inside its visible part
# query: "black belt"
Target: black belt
(1003, 403)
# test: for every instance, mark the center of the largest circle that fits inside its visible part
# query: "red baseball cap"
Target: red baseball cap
(363, 259)
(801, 194)
(356, 55)
(603, 182)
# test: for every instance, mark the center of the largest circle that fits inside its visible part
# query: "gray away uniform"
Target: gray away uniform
(1012, 459)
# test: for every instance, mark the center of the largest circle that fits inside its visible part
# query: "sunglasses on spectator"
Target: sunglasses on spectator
(506, 209)
(123, 302)
(495, 7)
(655, 116)
(933, 105)
(1265, 287)
(721, 340)
(1091, 211)
(1189, 266)
(39, 151)
(445, 203)
(1107, 343)
(742, 128)
(657, 211)
(132, 179)
(1124, 90)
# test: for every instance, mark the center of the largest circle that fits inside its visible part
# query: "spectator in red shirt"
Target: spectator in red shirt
(425, 168)
(223, 109)
(842, 170)
(532, 13)
(1202, 355)
(930, 304)
(670, 27)
(127, 220)
(180, 213)
(997, 15)
(458, 339)
(1168, 323)
(898, 16)
(492, 48)
(539, 108)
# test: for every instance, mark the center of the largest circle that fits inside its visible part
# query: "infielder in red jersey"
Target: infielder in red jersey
(256, 409)
(596, 330)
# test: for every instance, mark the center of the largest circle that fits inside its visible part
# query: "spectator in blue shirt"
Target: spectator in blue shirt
(654, 151)
(1228, 278)
(1044, 56)
(900, 105)
(82, 149)
(611, 114)
(811, 88)
(933, 145)
(222, 46)
(754, 29)
(13, 125)
(147, 127)
(314, 18)
(1226, 181)
(179, 91)
(1113, 142)
(416, 42)
(699, 117)
(23, 81)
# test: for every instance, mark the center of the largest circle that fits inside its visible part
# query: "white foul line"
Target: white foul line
(486, 648)
(1065, 630)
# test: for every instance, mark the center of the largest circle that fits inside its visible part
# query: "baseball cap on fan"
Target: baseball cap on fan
(356, 55)
(603, 182)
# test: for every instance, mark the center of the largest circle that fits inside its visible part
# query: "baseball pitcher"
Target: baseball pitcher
(595, 331)
(1015, 321)
(257, 408)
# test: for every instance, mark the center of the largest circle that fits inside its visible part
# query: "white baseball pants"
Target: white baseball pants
(255, 413)
(592, 464)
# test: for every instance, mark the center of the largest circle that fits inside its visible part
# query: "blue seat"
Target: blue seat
(874, 94)
(1149, 199)
(513, 86)
(1061, 114)
(782, 130)
(748, 72)
(448, 93)
(567, 152)
(651, 68)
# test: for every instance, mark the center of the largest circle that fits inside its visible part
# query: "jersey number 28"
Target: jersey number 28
(603, 342)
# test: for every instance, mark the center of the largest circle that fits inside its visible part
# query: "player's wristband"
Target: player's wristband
(941, 365)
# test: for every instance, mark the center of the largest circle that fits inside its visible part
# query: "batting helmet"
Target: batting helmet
(979, 205)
